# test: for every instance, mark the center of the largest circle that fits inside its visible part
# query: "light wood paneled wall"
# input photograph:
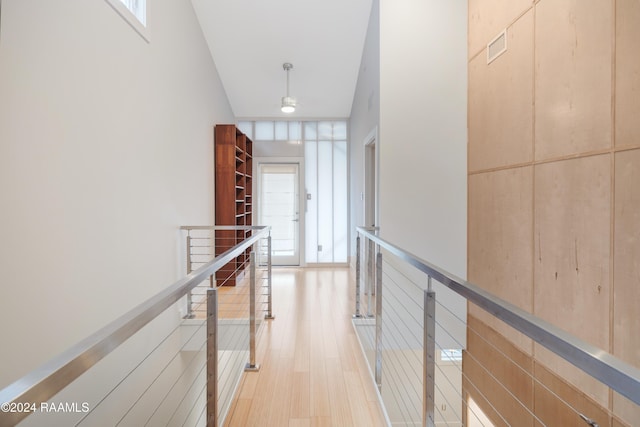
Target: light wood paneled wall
(554, 173)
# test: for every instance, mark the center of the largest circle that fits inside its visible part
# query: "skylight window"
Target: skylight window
(138, 8)
(134, 12)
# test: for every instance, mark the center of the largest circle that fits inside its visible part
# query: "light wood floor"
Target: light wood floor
(312, 370)
(233, 301)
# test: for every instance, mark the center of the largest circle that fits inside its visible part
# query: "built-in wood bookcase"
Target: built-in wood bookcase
(234, 201)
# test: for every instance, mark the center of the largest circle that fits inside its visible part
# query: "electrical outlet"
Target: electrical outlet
(319, 248)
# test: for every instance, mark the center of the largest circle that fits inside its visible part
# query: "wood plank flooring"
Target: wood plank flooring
(233, 301)
(312, 370)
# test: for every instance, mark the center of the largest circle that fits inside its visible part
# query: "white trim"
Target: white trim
(131, 19)
(349, 182)
(372, 139)
(371, 374)
(328, 265)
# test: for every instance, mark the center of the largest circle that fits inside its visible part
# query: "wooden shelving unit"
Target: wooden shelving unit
(233, 187)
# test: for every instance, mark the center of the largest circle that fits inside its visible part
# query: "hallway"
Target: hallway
(312, 371)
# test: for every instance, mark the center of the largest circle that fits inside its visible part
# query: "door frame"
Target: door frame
(302, 207)
(371, 187)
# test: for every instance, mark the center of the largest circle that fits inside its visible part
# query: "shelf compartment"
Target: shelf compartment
(233, 189)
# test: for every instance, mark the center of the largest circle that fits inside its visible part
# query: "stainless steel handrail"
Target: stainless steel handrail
(44, 382)
(608, 369)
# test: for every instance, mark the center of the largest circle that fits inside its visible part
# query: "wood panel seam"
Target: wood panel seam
(612, 208)
(554, 160)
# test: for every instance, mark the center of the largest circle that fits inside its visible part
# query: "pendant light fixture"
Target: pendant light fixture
(288, 102)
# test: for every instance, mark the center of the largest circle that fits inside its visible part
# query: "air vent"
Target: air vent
(497, 46)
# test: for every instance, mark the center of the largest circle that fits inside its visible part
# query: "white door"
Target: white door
(278, 206)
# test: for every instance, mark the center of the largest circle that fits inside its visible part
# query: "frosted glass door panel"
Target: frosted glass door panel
(340, 132)
(326, 184)
(325, 201)
(340, 199)
(311, 217)
(281, 131)
(279, 209)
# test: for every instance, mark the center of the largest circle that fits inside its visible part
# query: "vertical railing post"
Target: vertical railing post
(372, 249)
(357, 315)
(370, 278)
(252, 366)
(212, 357)
(379, 320)
(429, 344)
(189, 314)
(269, 314)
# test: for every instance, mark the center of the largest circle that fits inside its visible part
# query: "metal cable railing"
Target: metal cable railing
(468, 358)
(154, 365)
(202, 243)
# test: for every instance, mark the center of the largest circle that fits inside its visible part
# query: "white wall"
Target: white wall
(423, 128)
(423, 137)
(105, 150)
(413, 85)
(365, 116)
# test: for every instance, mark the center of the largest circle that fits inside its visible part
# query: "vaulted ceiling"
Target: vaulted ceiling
(251, 39)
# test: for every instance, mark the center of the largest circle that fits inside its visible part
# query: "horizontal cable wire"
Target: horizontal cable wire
(129, 374)
(403, 380)
(238, 338)
(161, 372)
(203, 413)
(410, 282)
(397, 397)
(419, 287)
(469, 408)
(202, 391)
(487, 400)
(522, 369)
(398, 285)
(396, 294)
(470, 355)
(417, 322)
(235, 341)
(196, 377)
(407, 382)
(417, 361)
(444, 395)
(404, 386)
(187, 368)
(226, 386)
(398, 333)
(411, 383)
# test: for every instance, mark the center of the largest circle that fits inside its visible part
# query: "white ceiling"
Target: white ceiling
(251, 39)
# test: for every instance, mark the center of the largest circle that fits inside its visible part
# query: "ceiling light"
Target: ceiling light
(288, 102)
